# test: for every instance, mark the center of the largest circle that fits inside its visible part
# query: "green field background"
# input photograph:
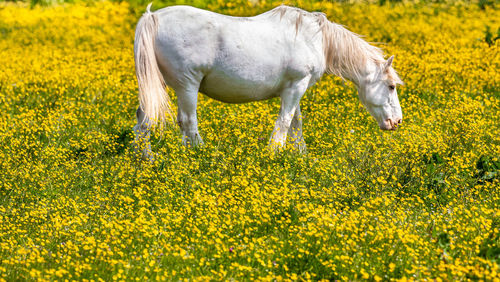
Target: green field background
(418, 203)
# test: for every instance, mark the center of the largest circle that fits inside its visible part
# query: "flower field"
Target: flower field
(422, 202)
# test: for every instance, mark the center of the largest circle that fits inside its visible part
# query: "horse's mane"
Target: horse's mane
(346, 53)
(298, 15)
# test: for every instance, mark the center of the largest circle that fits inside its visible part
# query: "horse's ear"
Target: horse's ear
(389, 62)
(399, 81)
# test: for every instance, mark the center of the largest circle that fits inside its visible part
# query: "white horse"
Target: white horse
(280, 53)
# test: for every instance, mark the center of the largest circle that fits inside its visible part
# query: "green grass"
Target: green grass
(77, 203)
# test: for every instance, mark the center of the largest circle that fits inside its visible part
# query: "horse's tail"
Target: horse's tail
(153, 98)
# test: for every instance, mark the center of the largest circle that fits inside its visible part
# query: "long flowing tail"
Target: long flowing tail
(153, 98)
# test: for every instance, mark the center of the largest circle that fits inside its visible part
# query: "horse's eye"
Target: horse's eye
(392, 87)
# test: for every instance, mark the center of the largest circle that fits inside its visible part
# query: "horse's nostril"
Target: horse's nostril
(399, 121)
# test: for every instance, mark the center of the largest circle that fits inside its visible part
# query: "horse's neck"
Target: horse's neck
(363, 71)
(350, 56)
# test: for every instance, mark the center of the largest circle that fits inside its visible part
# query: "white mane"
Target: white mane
(346, 53)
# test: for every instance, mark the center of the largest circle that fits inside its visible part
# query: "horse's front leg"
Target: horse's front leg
(295, 131)
(290, 98)
(142, 132)
(187, 99)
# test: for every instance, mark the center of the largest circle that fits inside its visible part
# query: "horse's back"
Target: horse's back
(235, 59)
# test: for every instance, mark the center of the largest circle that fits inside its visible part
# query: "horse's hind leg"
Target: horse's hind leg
(187, 98)
(295, 131)
(142, 133)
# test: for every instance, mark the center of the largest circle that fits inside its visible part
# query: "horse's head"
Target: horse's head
(377, 92)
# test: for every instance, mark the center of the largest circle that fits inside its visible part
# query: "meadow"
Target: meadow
(419, 203)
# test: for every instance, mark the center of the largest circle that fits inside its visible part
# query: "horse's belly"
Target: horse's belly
(234, 89)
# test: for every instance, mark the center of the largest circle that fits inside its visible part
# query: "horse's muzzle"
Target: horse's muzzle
(390, 124)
